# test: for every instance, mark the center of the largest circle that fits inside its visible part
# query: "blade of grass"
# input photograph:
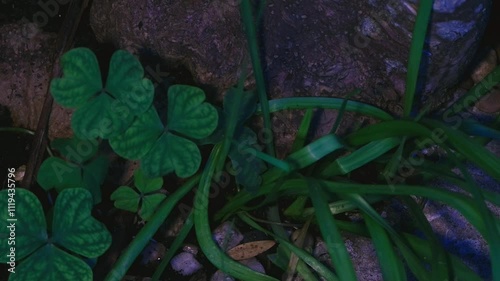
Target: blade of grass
(186, 228)
(342, 206)
(302, 158)
(359, 157)
(492, 234)
(325, 103)
(233, 118)
(387, 129)
(296, 186)
(390, 263)
(393, 165)
(473, 95)
(439, 259)
(253, 46)
(330, 233)
(300, 137)
(342, 109)
(471, 150)
(474, 128)
(456, 200)
(281, 259)
(314, 151)
(203, 233)
(460, 271)
(417, 45)
(294, 260)
(414, 262)
(297, 207)
(279, 164)
(248, 22)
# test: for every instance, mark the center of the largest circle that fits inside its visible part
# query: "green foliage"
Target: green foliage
(239, 106)
(102, 111)
(329, 181)
(165, 149)
(146, 198)
(246, 165)
(82, 168)
(44, 252)
(318, 175)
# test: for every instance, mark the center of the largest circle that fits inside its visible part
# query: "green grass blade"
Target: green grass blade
(281, 259)
(342, 206)
(474, 128)
(460, 271)
(336, 247)
(253, 46)
(458, 201)
(280, 164)
(325, 103)
(470, 149)
(473, 95)
(492, 230)
(203, 233)
(413, 261)
(390, 263)
(297, 208)
(416, 48)
(314, 151)
(233, 118)
(186, 228)
(387, 129)
(141, 240)
(302, 158)
(391, 167)
(342, 109)
(359, 157)
(300, 137)
(439, 259)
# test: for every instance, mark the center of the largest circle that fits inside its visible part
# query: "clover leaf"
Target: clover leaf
(148, 197)
(41, 255)
(165, 149)
(247, 167)
(102, 111)
(82, 168)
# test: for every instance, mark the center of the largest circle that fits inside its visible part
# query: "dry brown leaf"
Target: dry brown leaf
(250, 249)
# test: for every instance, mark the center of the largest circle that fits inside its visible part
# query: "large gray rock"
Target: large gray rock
(311, 48)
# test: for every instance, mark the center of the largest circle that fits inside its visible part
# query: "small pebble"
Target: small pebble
(185, 264)
(227, 236)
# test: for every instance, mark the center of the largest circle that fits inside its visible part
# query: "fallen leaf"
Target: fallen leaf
(250, 249)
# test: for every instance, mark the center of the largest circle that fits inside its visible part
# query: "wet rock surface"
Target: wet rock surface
(309, 48)
(25, 64)
(313, 48)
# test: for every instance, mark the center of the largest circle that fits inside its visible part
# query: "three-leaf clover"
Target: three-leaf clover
(50, 257)
(239, 106)
(102, 111)
(165, 149)
(247, 167)
(147, 196)
(80, 169)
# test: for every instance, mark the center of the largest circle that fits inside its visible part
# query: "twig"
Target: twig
(64, 41)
